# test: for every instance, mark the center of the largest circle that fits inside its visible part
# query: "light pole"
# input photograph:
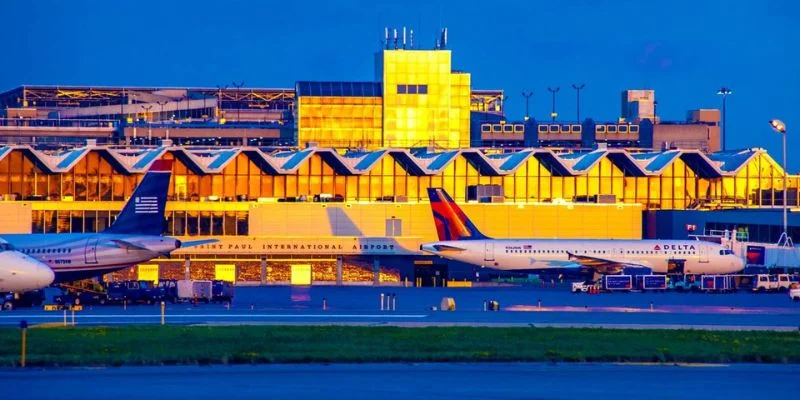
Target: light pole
(527, 96)
(220, 88)
(161, 119)
(238, 106)
(785, 240)
(146, 109)
(724, 92)
(578, 89)
(554, 114)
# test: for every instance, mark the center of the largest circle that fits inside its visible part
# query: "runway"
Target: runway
(413, 307)
(403, 381)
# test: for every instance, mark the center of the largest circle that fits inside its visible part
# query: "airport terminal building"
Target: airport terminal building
(327, 181)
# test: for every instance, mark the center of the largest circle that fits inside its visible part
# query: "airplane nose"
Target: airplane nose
(178, 244)
(44, 275)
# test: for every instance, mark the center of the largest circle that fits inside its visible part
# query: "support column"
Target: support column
(339, 263)
(263, 270)
(376, 271)
(187, 265)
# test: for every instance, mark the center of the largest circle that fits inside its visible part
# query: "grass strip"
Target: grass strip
(169, 345)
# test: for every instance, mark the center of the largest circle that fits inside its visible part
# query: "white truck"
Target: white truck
(794, 291)
(770, 283)
(191, 290)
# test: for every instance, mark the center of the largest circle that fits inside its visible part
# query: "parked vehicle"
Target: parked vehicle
(222, 291)
(617, 282)
(651, 282)
(717, 283)
(170, 288)
(766, 283)
(12, 300)
(75, 298)
(192, 290)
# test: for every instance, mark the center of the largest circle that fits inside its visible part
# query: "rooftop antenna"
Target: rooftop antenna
(444, 38)
(411, 39)
(436, 47)
(404, 38)
(395, 38)
(386, 38)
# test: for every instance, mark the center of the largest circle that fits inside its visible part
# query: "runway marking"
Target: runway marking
(370, 316)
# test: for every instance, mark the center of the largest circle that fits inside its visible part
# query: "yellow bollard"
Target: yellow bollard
(24, 325)
(162, 312)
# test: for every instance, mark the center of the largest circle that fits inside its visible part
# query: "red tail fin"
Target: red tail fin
(451, 222)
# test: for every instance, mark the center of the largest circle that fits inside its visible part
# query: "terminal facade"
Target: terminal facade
(329, 179)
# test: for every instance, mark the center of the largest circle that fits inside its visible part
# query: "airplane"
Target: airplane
(20, 272)
(460, 240)
(134, 237)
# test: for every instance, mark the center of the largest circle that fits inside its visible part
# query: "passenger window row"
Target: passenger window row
(47, 251)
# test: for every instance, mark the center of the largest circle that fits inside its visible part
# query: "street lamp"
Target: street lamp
(778, 126)
(724, 92)
(554, 114)
(527, 96)
(578, 89)
(238, 106)
(146, 109)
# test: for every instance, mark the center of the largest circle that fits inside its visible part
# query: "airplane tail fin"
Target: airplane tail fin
(451, 222)
(144, 212)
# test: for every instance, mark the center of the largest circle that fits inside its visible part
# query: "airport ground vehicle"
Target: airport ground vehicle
(170, 289)
(794, 291)
(11, 300)
(134, 292)
(192, 290)
(70, 298)
(221, 291)
(717, 283)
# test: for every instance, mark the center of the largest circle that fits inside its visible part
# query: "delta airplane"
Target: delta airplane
(20, 272)
(460, 240)
(133, 238)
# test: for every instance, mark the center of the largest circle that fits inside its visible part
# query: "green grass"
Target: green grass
(157, 345)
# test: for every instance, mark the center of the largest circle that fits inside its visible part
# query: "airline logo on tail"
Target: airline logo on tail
(143, 214)
(451, 222)
(146, 205)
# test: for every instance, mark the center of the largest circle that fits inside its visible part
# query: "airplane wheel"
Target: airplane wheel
(8, 306)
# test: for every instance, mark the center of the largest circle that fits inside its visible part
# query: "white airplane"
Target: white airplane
(20, 272)
(133, 238)
(460, 240)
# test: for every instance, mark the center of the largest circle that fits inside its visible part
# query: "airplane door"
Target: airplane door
(703, 253)
(91, 250)
(489, 247)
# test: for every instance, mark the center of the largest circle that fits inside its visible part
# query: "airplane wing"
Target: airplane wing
(604, 266)
(198, 242)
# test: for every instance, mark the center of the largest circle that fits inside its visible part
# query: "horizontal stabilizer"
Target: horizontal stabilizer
(198, 242)
(446, 248)
(123, 244)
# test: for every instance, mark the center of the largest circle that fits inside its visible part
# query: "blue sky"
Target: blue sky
(685, 50)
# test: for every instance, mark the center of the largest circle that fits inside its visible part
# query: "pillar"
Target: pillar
(376, 271)
(187, 265)
(339, 263)
(263, 270)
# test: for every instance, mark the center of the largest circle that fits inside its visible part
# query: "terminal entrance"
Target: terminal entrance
(433, 275)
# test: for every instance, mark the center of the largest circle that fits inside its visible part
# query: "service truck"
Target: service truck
(195, 290)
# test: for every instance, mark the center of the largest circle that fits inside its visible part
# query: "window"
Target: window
(402, 89)
(422, 89)
(412, 89)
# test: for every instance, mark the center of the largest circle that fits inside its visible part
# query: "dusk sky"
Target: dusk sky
(685, 50)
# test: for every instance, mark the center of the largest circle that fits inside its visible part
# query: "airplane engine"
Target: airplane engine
(21, 273)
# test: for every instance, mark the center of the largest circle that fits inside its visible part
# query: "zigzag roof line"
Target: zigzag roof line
(136, 160)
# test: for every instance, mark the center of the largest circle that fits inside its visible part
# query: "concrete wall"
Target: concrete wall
(15, 217)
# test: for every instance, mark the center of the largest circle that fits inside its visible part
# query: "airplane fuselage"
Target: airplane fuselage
(535, 255)
(82, 255)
